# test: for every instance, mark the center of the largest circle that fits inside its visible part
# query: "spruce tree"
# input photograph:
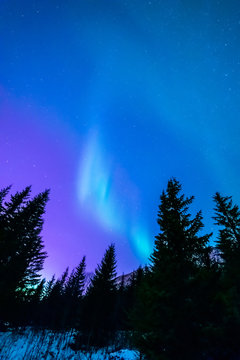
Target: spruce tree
(48, 287)
(34, 307)
(55, 302)
(76, 282)
(74, 291)
(227, 217)
(97, 319)
(179, 233)
(105, 274)
(46, 315)
(165, 317)
(21, 248)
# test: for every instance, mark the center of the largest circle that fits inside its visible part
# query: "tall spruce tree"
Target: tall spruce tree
(74, 291)
(97, 318)
(21, 248)
(179, 233)
(165, 316)
(227, 217)
(105, 274)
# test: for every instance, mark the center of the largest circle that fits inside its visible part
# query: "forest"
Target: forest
(184, 304)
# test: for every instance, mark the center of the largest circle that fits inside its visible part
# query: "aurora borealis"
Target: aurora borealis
(103, 101)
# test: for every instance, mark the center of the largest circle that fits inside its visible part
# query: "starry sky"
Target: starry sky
(102, 101)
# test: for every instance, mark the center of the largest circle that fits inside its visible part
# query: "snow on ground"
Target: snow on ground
(30, 344)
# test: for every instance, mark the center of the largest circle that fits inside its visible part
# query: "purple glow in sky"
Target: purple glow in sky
(82, 214)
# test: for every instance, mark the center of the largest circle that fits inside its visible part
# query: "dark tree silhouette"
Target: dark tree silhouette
(74, 291)
(165, 315)
(227, 297)
(21, 248)
(227, 216)
(97, 320)
(184, 305)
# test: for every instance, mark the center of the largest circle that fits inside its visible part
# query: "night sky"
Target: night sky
(103, 101)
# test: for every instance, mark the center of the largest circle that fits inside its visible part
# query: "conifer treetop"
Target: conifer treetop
(178, 235)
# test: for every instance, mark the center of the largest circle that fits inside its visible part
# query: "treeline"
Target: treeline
(184, 305)
(98, 311)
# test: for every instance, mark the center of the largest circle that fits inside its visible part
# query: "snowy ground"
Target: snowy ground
(30, 344)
